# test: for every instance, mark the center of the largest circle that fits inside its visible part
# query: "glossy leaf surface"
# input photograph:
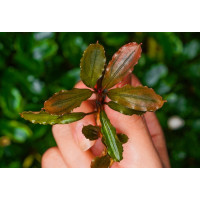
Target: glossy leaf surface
(91, 132)
(122, 64)
(66, 100)
(92, 64)
(46, 118)
(101, 162)
(114, 146)
(124, 110)
(122, 138)
(139, 98)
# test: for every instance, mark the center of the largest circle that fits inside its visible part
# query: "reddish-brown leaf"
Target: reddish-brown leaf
(139, 98)
(124, 110)
(122, 64)
(66, 100)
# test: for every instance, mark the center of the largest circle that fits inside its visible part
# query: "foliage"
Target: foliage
(170, 63)
(100, 78)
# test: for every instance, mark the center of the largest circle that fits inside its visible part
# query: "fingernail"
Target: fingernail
(80, 139)
(83, 143)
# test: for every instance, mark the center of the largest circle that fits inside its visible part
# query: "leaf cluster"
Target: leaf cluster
(100, 78)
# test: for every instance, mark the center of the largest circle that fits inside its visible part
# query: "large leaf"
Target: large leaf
(122, 64)
(139, 98)
(124, 110)
(91, 132)
(66, 100)
(114, 146)
(46, 118)
(92, 64)
(101, 162)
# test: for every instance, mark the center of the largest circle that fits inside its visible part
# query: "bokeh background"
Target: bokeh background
(33, 66)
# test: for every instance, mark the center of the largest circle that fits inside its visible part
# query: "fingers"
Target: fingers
(73, 156)
(86, 107)
(155, 130)
(52, 158)
(98, 148)
(70, 140)
(76, 128)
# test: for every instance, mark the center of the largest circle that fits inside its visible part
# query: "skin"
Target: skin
(146, 147)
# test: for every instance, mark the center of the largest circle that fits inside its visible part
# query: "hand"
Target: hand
(145, 148)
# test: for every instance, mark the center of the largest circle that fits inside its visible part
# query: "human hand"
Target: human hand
(145, 148)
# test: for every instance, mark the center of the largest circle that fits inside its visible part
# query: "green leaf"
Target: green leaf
(114, 146)
(91, 132)
(66, 100)
(122, 64)
(101, 162)
(92, 64)
(124, 110)
(139, 98)
(122, 138)
(46, 118)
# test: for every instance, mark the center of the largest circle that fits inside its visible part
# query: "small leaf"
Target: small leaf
(101, 162)
(139, 98)
(91, 132)
(124, 110)
(46, 118)
(122, 138)
(122, 64)
(92, 64)
(114, 146)
(66, 100)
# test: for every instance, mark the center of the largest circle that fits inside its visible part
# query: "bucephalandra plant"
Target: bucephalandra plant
(101, 78)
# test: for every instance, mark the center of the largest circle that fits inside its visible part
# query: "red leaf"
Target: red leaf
(122, 64)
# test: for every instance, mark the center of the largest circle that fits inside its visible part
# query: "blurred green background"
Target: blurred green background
(33, 66)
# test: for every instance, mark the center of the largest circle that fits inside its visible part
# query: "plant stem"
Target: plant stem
(91, 113)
